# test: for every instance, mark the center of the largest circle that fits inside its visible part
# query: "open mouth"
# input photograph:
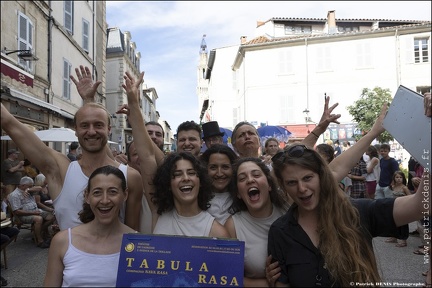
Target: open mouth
(254, 194)
(186, 189)
(105, 210)
(305, 199)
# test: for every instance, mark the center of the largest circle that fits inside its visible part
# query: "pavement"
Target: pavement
(399, 267)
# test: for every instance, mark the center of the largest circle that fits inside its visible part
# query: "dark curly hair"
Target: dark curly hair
(238, 204)
(86, 214)
(163, 196)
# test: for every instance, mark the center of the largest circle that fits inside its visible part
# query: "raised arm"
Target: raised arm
(342, 164)
(50, 162)
(143, 143)
(326, 118)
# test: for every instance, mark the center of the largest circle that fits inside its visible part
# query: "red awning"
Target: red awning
(299, 131)
(16, 73)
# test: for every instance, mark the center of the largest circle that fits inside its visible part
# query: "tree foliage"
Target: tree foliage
(365, 111)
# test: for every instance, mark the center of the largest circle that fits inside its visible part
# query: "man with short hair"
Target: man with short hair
(156, 133)
(11, 170)
(68, 180)
(189, 138)
(212, 134)
(24, 206)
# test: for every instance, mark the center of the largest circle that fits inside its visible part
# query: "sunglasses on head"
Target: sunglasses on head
(296, 151)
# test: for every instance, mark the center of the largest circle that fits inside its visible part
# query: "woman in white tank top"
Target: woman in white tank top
(88, 254)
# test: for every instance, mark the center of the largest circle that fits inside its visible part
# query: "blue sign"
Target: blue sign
(179, 261)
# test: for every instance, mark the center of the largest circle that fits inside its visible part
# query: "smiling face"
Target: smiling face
(254, 189)
(92, 128)
(185, 183)
(220, 171)
(189, 141)
(303, 186)
(105, 197)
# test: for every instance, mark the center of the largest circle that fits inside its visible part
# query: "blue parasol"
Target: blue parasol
(278, 132)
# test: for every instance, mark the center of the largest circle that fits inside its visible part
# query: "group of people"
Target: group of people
(222, 193)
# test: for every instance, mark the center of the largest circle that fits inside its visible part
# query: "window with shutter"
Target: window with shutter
(421, 50)
(85, 35)
(66, 79)
(25, 39)
(68, 16)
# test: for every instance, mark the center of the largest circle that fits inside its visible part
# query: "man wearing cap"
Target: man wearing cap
(212, 134)
(11, 170)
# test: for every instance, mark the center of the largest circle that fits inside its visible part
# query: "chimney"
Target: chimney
(331, 22)
(243, 39)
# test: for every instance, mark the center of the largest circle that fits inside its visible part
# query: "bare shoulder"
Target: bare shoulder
(60, 242)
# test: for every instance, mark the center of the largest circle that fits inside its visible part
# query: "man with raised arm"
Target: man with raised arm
(67, 180)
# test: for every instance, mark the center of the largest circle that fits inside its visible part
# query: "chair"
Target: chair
(17, 222)
(3, 249)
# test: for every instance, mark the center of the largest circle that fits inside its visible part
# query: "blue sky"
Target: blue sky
(168, 34)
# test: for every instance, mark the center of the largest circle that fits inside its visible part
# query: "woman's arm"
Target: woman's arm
(342, 164)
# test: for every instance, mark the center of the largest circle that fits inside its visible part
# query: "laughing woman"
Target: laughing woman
(256, 205)
(88, 254)
(179, 191)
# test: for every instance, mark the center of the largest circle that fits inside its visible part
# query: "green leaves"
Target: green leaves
(366, 110)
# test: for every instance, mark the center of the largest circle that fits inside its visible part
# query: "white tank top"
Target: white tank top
(254, 232)
(83, 269)
(171, 223)
(69, 202)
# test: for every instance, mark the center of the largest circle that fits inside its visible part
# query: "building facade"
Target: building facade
(35, 68)
(281, 76)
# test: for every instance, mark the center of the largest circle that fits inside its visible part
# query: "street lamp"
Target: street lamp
(306, 111)
(26, 55)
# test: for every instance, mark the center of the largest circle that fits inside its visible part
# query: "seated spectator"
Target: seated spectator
(24, 206)
(42, 198)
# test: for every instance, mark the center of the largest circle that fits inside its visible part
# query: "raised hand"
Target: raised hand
(85, 86)
(132, 86)
(327, 116)
(124, 109)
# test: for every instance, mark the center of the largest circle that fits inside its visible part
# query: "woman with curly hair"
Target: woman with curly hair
(182, 192)
(179, 190)
(325, 239)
